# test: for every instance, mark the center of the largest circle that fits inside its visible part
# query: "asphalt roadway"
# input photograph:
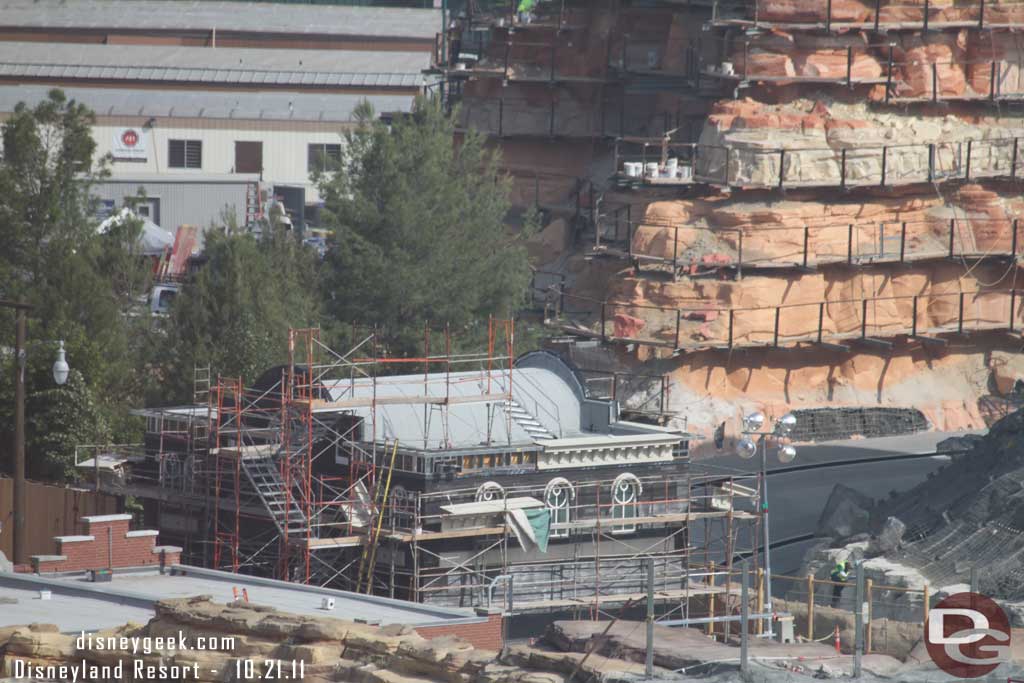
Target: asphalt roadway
(797, 493)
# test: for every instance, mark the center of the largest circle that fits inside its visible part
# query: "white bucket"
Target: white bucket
(685, 172)
(727, 68)
(652, 170)
(327, 604)
(45, 595)
(634, 169)
(670, 167)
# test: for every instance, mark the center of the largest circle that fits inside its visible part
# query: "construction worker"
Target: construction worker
(525, 10)
(840, 574)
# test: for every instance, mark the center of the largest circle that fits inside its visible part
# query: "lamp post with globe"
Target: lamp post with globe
(753, 427)
(60, 376)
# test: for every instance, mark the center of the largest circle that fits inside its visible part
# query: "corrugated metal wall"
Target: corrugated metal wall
(186, 203)
(52, 511)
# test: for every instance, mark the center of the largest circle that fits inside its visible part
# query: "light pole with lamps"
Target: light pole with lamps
(746, 448)
(60, 376)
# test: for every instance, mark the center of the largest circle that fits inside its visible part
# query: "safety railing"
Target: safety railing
(881, 601)
(700, 249)
(876, 64)
(560, 116)
(748, 165)
(876, 14)
(871, 320)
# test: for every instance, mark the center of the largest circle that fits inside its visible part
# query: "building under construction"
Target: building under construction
(478, 478)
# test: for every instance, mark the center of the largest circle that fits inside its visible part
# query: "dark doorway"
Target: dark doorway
(248, 157)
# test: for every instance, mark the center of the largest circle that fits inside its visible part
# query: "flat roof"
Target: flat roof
(211, 104)
(242, 66)
(206, 15)
(78, 604)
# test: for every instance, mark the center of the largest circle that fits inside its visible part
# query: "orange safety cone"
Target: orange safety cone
(837, 640)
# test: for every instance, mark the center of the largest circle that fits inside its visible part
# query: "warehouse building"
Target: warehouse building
(210, 128)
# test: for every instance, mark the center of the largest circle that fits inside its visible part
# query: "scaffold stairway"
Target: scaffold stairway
(528, 422)
(285, 511)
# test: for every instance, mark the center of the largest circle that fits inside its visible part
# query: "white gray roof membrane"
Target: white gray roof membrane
(205, 15)
(307, 68)
(269, 106)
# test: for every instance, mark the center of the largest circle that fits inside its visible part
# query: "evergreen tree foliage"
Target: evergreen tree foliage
(419, 229)
(234, 314)
(54, 259)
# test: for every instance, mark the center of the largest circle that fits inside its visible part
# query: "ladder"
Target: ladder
(200, 384)
(368, 562)
(284, 509)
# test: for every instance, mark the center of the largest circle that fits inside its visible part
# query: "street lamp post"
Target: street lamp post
(60, 376)
(752, 426)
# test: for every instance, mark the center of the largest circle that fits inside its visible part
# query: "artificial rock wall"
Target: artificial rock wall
(859, 213)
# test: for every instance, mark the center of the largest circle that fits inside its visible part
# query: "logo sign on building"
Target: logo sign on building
(968, 635)
(129, 144)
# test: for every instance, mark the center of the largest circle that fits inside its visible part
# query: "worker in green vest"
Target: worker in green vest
(525, 8)
(840, 574)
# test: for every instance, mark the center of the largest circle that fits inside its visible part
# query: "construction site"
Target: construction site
(779, 240)
(810, 203)
(484, 480)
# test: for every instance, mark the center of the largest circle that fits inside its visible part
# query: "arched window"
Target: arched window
(557, 496)
(402, 508)
(488, 491)
(626, 491)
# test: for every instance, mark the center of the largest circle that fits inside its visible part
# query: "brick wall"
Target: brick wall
(484, 635)
(107, 543)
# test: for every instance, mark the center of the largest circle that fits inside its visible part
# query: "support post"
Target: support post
(20, 533)
(927, 11)
(1013, 241)
(981, 16)
(878, 15)
(810, 607)
(858, 614)
(679, 323)
(649, 659)
(744, 621)
(935, 82)
(1013, 307)
(992, 80)
(807, 239)
(885, 153)
(960, 322)
(604, 334)
(828, 16)
(782, 167)
(760, 598)
(821, 320)
(952, 236)
(1013, 160)
(888, 75)
(849, 242)
(913, 322)
(927, 607)
(863, 318)
(732, 314)
(775, 338)
(849, 67)
(842, 168)
(903, 241)
(931, 162)
(868, 585)
(967, 169)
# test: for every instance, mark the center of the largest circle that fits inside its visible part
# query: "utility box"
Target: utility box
(784, 629)
(100, 575)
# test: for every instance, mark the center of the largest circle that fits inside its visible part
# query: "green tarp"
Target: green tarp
(540, 521)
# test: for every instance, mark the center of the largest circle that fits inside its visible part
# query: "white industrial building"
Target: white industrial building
(218, 125)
